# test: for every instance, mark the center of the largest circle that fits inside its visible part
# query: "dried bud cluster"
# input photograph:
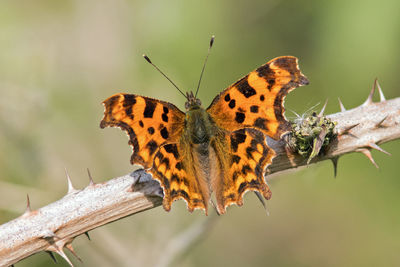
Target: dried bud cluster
(311, 134)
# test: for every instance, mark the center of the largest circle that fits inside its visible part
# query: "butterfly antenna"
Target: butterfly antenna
(148, 60)
(204, 65)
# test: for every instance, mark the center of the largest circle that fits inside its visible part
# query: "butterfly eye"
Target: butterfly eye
(187, 105)
(198, 102)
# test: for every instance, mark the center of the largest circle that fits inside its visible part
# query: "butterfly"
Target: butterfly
(220, 149)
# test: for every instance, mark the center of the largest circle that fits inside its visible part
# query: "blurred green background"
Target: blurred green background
(60, 59)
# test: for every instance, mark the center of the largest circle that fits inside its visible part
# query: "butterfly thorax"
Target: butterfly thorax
(199, 126)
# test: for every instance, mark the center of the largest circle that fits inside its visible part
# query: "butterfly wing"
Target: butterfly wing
(256, 100)
(149, 123)
(177, 178)
(246, 156)
(247, 111)
(155, 128)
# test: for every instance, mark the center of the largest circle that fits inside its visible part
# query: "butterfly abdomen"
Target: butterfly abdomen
(198, 134)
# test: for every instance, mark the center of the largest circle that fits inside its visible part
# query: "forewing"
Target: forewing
(149, 123)
(256, 100)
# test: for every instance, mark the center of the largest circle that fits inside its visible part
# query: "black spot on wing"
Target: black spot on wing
(265, 72)
(237, 138)
(152, 146)
(141, 124)
(164, 133)
(246, 168)
(166, 162)
(254, 109)
(227, 97)
(249, 151)
(258, 139)
(235, 159)
(261, 123)
(232, 103)
(149, 108)
(174, 178)
(128, 112)
(172, 148)
(150, 130)
(185, 181)
(271, 83)
(235, 175)
(164, 117)
(244, 88)
(178, 166)
(240, 117)
(129, 100)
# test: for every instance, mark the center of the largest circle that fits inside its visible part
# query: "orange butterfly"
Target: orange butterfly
(221, 149)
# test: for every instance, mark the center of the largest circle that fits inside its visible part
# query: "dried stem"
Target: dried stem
(54, 227)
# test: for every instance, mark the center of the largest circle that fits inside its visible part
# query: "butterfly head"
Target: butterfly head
(192, 102)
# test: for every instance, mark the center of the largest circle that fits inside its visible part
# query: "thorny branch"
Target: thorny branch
(54, 227)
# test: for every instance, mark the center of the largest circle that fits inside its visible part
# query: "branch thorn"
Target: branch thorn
(380, 124)
(375, 146)
(91, 182)
(71, 188)
(342, 108)
(335, 164)
(381, 95)
(371, 94)
(52, 256)
(57, 247)
(28, 209)
(87, 235)
(60, 252)
(347, 129)
(321, 113)
(71, 249)
(260, 197)
(367, 153)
